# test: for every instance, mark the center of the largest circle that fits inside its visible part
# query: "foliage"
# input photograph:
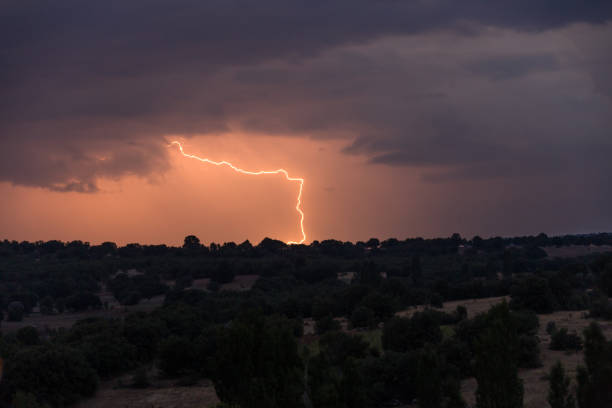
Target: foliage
(16, 311)
(496, 362)
(595, 380)
(254, 359)
(559, 393)
(564, 340)
(403, 334)
(54, 374)
(258, 364)
(326, 324)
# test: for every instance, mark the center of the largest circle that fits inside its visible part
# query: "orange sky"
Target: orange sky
(344, 198)
(217, 204)
(404, 118)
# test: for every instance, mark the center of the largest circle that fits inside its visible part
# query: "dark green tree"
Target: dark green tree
(28, 336)
(326, 324)
(559, 394)
(595, 380)
(177, 356)
(495, 366)
(191, 242)
(362, 317)
(15, 311)
(56, 375)
(46, 305)
(258, 365)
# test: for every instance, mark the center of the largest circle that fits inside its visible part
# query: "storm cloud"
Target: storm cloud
(472, 90)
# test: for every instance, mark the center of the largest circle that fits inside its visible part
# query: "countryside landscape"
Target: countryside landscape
(305, 204)
(406, 323)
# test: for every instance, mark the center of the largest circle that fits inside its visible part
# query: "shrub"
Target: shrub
(57, 375)
(28, 336)
(362, 317)
(16, 311)
(326, 324)
(564, 340)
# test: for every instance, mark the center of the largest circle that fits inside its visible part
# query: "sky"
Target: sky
(404, 117)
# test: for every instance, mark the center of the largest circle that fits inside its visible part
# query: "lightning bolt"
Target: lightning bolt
(298, 206)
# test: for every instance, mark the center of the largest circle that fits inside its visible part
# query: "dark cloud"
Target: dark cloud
(89, 89)
(513, 66)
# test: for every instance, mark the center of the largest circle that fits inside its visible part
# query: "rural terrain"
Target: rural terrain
(148, 327)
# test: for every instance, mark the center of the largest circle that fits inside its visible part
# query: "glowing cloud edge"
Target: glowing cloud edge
(257, 173)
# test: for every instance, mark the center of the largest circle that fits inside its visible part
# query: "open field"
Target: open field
(161, 394)
(67, 319)
(473, 306)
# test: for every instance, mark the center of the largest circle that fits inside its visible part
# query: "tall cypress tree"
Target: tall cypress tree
(496, 362)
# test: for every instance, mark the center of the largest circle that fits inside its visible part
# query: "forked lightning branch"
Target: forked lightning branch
(258, 173)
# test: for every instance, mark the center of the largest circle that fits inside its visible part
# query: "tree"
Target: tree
(461, 313)
(46, 305)
(429, 379)
(192, 242)
(223, 272)
(26, 400)
(15, 311)
(258, 365)
(595, 380)
(362, 317)
(144, 333)
(402, 334)
(606, 279)
(559, 395)
(368, 274)
(334, 379)
(28, 336)
(326, 324)
(533, 293)
(495, 366)
(83, 301)
(564, 340)
(57, 375)
(373, 243)
(177, 356)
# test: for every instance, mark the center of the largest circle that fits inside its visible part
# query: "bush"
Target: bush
(28, 336)
(16, 311)
(176, 356)
(529, 352)
(326, 324)
(533, 293)
(57, 375)
(402, 334)
(46, 305)
(563, 340)
(363, 317)
(600, 306)
(140, 379)
(213, 286)
(26, 400)
(83, 301)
